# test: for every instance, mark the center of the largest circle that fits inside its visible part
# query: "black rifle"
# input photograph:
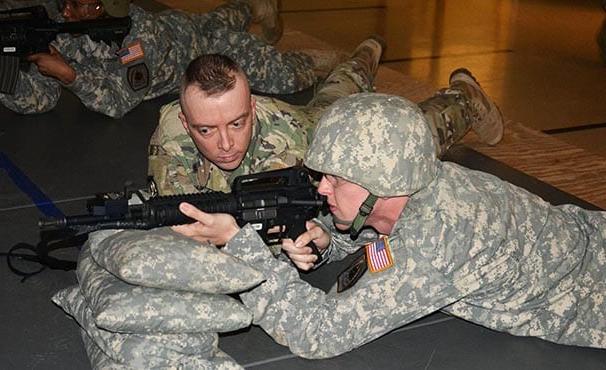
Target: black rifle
(285, 198)
(26, 31)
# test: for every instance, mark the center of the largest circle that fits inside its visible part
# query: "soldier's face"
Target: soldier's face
(80, 10)
(344, 199)
(220, 125)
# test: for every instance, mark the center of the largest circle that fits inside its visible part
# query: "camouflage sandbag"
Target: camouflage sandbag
(99, 360)
(122, 307)
(161, 258)
(136, 350)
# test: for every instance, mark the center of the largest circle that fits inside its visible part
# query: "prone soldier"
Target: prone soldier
(218, 130)
(113, 79)
(450, 239)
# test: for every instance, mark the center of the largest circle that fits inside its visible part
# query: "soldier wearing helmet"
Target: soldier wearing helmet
(113, 79)
(449, 238)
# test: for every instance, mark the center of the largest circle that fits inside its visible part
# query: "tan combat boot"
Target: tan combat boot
(368, 54)
(266, 13)
(486, 119)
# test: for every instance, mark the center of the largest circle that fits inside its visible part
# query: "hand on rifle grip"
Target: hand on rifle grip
(306, 250)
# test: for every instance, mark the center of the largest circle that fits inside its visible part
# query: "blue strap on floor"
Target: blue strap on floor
(44, 204)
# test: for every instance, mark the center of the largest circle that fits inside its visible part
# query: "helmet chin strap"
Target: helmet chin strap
(363, 213)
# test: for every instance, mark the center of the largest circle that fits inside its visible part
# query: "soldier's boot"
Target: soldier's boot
(367, 56)
(323, 61)
(266, 13)
(485, 117)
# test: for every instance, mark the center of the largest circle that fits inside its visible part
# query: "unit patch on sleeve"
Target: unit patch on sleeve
(350, 276)
(137, 76)
(378, 255)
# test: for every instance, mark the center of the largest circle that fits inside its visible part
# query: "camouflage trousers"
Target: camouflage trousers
(347, 78)
(447, 113)
(268, 70)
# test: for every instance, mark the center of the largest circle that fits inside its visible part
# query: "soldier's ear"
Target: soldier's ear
(184, 122)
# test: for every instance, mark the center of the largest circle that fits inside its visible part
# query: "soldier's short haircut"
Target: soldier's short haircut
(211, 73)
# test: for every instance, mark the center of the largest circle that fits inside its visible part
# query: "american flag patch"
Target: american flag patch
(378, 255)
(131, 53)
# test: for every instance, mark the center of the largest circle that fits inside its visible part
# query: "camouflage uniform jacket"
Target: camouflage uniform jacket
(114, 85)
(279, 140)
(470, 244)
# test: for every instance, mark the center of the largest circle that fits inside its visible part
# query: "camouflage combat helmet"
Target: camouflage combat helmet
(380, 142)
(116, 8)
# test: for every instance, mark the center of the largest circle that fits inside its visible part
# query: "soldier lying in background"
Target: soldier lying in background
(218, 130)
(113, 79)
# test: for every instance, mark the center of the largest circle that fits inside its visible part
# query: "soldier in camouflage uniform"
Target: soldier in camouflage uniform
(150, 62)
(281, 131)
(454, 239)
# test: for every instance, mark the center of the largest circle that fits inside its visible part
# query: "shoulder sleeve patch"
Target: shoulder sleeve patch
(137, 76)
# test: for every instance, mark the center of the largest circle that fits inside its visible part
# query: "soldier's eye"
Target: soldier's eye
(203, 130)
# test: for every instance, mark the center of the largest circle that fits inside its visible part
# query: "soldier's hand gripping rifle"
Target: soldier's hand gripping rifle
(283, 198)
(26, 31)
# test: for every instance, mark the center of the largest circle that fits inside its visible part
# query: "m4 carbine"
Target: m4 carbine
(26, 31)
(284, 198)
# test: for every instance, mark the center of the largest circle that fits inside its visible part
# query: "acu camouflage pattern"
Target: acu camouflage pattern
(131, 326)
(99, 360)
(467, 243)
(280, 136)
(170, 40)
(380, 142)
(135, 350)
(161, 258)
(121, 307)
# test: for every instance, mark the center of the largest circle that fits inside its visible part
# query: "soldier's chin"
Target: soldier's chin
(229, 166)
(341, 224)
(342, 227)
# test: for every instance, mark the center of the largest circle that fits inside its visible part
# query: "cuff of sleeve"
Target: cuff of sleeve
(77, 86)
(328, 252)
(249, 247)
